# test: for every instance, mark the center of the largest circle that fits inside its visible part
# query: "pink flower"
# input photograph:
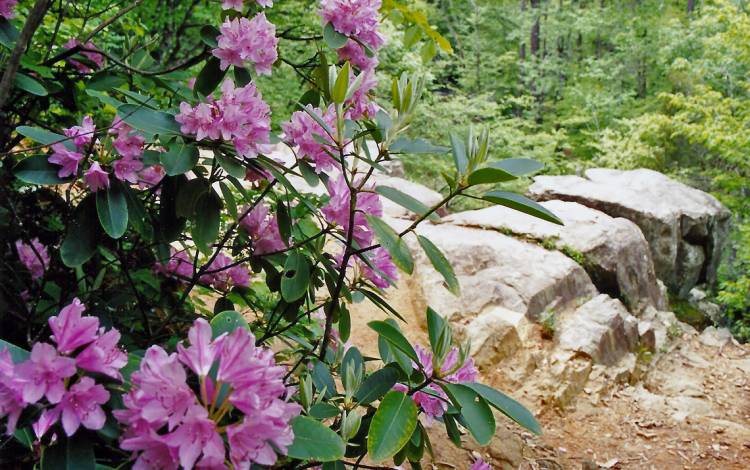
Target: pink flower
(96, 178)
(384, 269)
(197, 436)
(83, 134)
(151, 176)
(200, 355)
(337, 211)
(357, 19)
(244, 40)
(70, 330)
(127, 143)
(357, 56)
(300, 134)
(67, 159)
(35, 259)
(96, 58)
(240, 115)
(47, 419)
(179, 265)
(126, 169)
(237, 4)
(480, 464)
(103, 355)
(263, 230)
(81, 405)
(222, 275)
(11, 398)
(257, 437)
(44, 374)
(6, 8)
(360, 103)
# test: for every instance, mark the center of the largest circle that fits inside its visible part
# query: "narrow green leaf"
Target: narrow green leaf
(30, 85)
(518, 166)
(323, 379)
(441, 264)
(296, 277)
(338, 94)
(209, 77)
(475, 412)
(112, 208)
(229, 200)
(460, 159)
(394, 337)
(435, 327)
(154, 122)
(392, 243)
(188, 195)
(72, 453)
(83, 233)
(209, 35)
(206, 220)
(406, 201)
(333, 38)
(392, 426)
(508, 406)
(489, 175)
(315, 441)
(42, 136)
(323, 411)
(376, 385)
(522, 204)
(8, 33)
(38, 170)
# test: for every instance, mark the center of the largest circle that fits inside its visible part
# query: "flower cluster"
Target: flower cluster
(237, 4)
(380, 269)
(240, 115)
(95, 58)
(360, 105)
(242, 41)
(263, 230)
(434, 404)
(358, 20)
(309, 139)
(50, 373)
(34, 257)
(222, 273)
(338, 209)
(242, 405)
(6, 8)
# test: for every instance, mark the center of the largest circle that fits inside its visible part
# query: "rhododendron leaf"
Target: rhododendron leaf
(38, 170)
(170, 226)
(489, 175)
(209, 35)
(311, 97)
(231, 166)
(25, 436)
(227, 322)
(315, 441)
(188, 195)
(206, 220)
(209, 77)
(296, 277)
(394, 337)
(522, 204)
(392, 426)
(392, 243)
(438, 331)
(333, 38)
(508, 406)
(17, 354)
(154, 122)
(284, 220)
(381, 303)
(452, 429)
(180, 158)
(323, 379)
(229, 199)
(406, 201)
(134, 363)
(518, 166)
(8, 33)
(376, 385)
(345, 323)
(83, 232)
(242, 76)
(353, 361)
(104, 81)
(30, 85)
(441, 264)
(323, 411)
(338, 465)
(44, 136)
(460, 159)
(112, 208)
(137, 215)
(340, 87)
(476, 414)
(70, 453)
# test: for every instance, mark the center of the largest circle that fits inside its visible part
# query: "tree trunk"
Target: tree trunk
(690, 6)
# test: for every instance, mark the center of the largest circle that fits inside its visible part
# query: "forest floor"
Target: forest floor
(692, 411)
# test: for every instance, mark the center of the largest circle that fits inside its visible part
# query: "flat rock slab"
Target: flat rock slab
(614, 251)
(686, 228)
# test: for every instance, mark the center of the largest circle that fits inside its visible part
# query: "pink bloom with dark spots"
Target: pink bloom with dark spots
(71, 330)
(34, 257)
(197, 437)
(126, 169)
(151, 176)
(81, 405)
(44, 373)
(67, 159)
(96, 178)
(200, 355)
(103, 355)
(82, 135)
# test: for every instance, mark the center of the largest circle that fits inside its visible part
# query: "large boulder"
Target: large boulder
(601, 329)
(495, 270)
(612, 250)
(686, 228)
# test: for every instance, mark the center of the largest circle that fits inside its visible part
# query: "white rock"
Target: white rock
(494, 335)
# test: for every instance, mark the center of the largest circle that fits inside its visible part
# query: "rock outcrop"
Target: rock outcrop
(686, 228)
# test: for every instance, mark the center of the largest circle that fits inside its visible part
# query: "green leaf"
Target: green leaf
(323, 411)
(112, 208)
(137, 216)
(180, 158)
(38, 170)
(227, 322)
(436, 326)
(392, 243)
(144, 119)
(206, 220)
(315, 441)
(209, 35)
(333, 38)
(296, 277)
(352, 360)
(25, 436)
(83, 233)
(394, 337)
(229, 199)
(42, 136)
(8, 33)
(489, 175)
(105, 81)
(475, 412)
(441, 264)
(376, 385)
(338, 94)
(459, 154)
(72, 453)
(452, 429)
(415, 146)
(284, 220)
(406, 201)
(392, 426)
(209, 77)
(17, 354)
(508, 406)
(188, 195)
(231, 166)
(30, 85)
(518, 166)
(241, 76)
(522, 204)
(323, 379)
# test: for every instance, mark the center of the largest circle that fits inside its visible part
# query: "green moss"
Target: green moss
(687, 313)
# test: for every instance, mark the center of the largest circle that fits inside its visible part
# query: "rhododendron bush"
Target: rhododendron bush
(173, 295)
